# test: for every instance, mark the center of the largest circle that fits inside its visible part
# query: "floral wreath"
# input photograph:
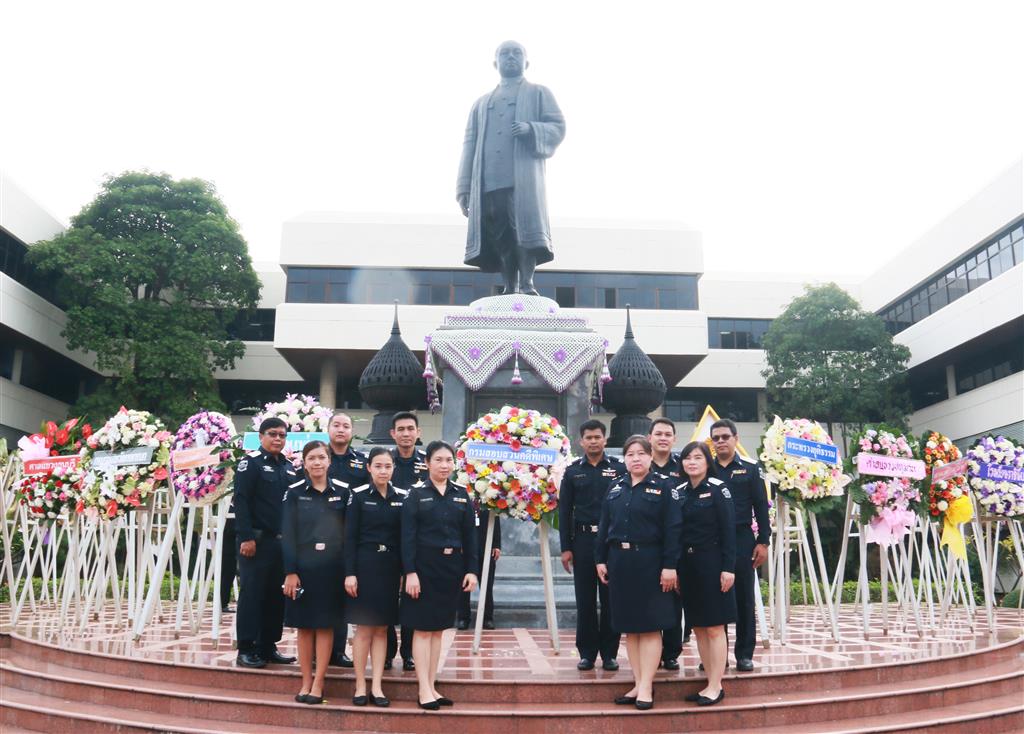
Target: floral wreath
(938, 450)
(205, 484)
(1002, 498)
(514, 488)
(53, 494)
(888, 505)
(300, 413)
(114, 492)
(813, 484)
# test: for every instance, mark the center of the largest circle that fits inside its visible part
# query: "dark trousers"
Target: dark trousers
(259, 622)
(672, 638)
(406, 647)
(464, 611)
(228, 562)
(746, 606)
(594, 633)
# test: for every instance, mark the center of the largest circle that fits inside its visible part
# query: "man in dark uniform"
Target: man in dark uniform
(750, 499)
(261, 480)
(410, 468)
(666, 463)
(480, 519)
(347, 471)
(584, 486)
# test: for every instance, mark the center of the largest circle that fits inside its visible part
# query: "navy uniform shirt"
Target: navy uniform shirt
(671, 470)
(409, 471)
(433, 520)
(349, 467)
(312, 525)
(372, 520)
(746, 484)
(261, 479)
(645, 514)
(709, 520)
(584, 486)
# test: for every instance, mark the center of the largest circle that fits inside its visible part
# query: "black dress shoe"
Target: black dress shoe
(705, 701)
(278, 659)
(488, 624)
(610, 664)
(380, 701)
(227, 609)
(430, 705)
(445, 701)
(625, 701)
(692, 698)
(745, 665)
(644, 705)
(300, 697)
(359, 700)
(314, 700)
(388, 664)
(462, 624)
(670, 664)
(409, 664)
(341, 660)
(250, 660)
(585, 664)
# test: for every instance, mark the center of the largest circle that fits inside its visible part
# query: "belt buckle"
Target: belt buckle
(448, 551)
(593, 528)
(690, 549)
(382, 548)
(625, 546)
(320, 546)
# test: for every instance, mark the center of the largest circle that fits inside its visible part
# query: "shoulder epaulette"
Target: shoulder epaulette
(746, 459)
(715, 480)
(340, 483)
(684, 485)
(253, 454)
(360, 488)
(403, 492)
(577, 462)
(420, 483)
(296, 484)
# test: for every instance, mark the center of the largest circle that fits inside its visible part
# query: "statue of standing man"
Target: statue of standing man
(511, 131)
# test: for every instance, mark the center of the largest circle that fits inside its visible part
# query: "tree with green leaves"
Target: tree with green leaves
(831, 361)
(154, 272)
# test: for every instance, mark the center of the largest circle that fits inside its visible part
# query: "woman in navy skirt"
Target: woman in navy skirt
(636, 552)
(707, 564)
(373, 570)
(311, 544)
(439, 560)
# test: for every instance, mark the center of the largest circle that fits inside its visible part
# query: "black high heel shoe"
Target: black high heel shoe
(445, 701)
(359, 700)
(430, 705)
(705, 701)
(380, 701)
(625, 701)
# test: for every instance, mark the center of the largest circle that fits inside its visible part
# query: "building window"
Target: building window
(988, 261)
(737, 333)
(254, 326)
(460, 287)
(990, 364)
(686, 404)
(928, 387)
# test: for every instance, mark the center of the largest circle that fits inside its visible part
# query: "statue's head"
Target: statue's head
(510, 59)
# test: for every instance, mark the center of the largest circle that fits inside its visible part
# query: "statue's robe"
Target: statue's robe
(536, 106)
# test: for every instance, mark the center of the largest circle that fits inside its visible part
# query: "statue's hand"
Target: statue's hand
(463, 200)
(521, 128)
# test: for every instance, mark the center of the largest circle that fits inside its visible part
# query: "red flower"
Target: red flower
(160, 474)
(86, 431)
(80, 507)
(51, 429)
(516, 444)
(112, 508)
(501, 503)
(62, 437)
(71, 424)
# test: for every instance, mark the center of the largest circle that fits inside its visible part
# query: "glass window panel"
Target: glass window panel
(298, 275)
(338, 275)
(993, 249)
(547, 291)
(338, 293)
(609, 297)
(626, 296)
(1017, 234)
(463, 295)
(1005, 260)
(1018, 251)
(463, 277)
(421, 294)
(296, 293)
(742, 339)
(318, 275)
(919, 311)
(714, 337)
(668, 298)
(688, 293)
(645, 297)
(440, 295)
(585, 296)
(565, 296)
(938, 299)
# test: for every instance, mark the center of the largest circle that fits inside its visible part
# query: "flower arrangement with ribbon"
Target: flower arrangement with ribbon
(50, 487)
(947, 492)
(887, 487)
(203, 483)
(123, 462)
(300, 412)
(809, 479)
(996, 474)
(512, 462)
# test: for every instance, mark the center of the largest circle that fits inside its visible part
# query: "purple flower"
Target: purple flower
(518, 306)
(474, 353)
(560, 355)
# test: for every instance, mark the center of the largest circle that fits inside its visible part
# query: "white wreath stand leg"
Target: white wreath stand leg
(163, 556)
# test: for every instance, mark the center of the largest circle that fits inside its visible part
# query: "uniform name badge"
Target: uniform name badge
(448, 551)
(704, 496)
(320, 546)
(476, 520)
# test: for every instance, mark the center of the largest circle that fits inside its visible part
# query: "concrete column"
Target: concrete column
(329, 381)
(950, 382)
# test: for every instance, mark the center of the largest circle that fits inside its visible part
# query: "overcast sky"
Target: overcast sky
(779, 130)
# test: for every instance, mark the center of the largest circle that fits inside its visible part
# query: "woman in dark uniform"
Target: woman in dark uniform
(373, 570)
(636, 552)
(439, 557)
(311, 544)
(707, 564)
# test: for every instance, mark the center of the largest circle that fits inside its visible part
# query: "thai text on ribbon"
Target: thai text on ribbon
(804, 449)
(476, 451)
(890, 466)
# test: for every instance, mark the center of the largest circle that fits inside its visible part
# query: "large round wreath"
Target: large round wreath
(805, 481)
(516, 489)
(117, 491)
(997, 496)
(52, 494)
(205, 484)
(888, 505)
(938, 450)
(300, 412)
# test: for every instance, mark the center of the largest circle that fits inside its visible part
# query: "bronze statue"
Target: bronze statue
(511, 131)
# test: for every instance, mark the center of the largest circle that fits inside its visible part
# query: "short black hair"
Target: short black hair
(434, 446)
(593, 425)
(638, 440)
(662, 419)
(725, 423)
(272, 422)
(404, 415)
(375, 452)
(312, 446)
(688, 449)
